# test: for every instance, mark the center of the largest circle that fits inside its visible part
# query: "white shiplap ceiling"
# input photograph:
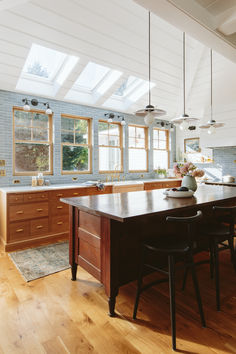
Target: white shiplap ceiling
(108, 32)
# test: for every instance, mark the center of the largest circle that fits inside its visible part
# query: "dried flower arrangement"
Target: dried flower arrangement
(187, 169)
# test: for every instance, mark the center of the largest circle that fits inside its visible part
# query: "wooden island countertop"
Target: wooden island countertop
(106, 230)
(124, 206)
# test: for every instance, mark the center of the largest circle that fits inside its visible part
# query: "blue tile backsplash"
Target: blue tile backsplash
(223, 164)
(10, 99)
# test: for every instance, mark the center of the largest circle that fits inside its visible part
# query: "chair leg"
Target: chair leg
(139, 284)
(211, 262)
(217, 282)
(197, 292)
(171, 264)
(185, 276)
(232, 251)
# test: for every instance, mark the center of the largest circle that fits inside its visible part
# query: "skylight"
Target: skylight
(131, 90)
(127, 86)
(43, 62)
(91, 76)
(45, 70)
(92, 83)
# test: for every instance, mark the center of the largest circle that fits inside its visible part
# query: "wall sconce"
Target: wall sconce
(111, 116)
(165, 124)
(34, 102)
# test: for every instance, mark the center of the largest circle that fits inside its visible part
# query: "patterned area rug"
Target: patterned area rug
(38, 262)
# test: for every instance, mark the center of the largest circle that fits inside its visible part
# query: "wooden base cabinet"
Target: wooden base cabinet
(30, 219)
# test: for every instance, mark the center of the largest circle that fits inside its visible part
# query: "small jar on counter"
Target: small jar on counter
(40, 179)
(34, 181)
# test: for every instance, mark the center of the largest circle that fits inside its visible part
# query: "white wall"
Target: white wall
(224, 104)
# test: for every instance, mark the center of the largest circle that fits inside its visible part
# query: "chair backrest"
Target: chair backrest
(185, 219)
(190, 221)
(229, 212)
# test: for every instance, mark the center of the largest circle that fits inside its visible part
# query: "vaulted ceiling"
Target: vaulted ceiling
(111, 33)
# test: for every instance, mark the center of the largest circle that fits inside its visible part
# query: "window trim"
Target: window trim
(111, 146)
(50, 143)
(145, 148)
(167, 149)
(89, 145)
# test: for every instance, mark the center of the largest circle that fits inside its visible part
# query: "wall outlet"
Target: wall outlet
(16, 181)
(2, 173)
(2, 163)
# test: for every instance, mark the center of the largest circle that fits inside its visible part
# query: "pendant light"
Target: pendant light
(149, 112)
(184, 120)
(211, 124)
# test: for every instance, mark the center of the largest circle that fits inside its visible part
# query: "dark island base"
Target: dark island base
(109, 249)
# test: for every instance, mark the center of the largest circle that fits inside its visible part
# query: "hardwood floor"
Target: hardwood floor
(56, 315)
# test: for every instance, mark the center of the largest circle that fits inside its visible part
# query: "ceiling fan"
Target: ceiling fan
(149, 112)
(211, 124)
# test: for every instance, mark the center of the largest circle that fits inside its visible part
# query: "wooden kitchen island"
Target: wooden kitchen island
(106, 230)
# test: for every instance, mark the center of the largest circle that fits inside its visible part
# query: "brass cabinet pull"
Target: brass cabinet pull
(60, 223)
(59, 207)
(19, 230)
(16, 198)
(39, 226)
(75, 193)
(59, 195)
(39, 209)
(29, 197)
(43, 196)
(20, 212)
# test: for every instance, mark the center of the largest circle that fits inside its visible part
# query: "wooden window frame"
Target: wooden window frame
(49, 142)
(111, 146)
(145, 148)
(89, 145)
(167, 149)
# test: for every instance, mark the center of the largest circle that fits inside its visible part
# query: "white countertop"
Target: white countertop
(17, 189)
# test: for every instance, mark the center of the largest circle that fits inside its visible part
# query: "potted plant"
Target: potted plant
(188, 171)
(161, 172)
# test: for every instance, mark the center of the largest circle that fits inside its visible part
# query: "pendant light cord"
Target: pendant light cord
(149, 57)
(184, 69)
(211, 84)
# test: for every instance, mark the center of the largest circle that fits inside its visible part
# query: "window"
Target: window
(160, 148)
(110, 147)
(32, 142)
(138, 148)
(76, 144)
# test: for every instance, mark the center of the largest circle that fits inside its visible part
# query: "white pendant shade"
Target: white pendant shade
(185, 117)
(149, 112)
(211, 125)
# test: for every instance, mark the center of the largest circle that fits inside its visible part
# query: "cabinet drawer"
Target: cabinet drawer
(58, 208)
(19, 231)
(39, 227)
(171, 184)
(28, 211)
(56, 195)
(15, 198)
(153, 185)
(35, 197)
(60, 224)
(127, 188)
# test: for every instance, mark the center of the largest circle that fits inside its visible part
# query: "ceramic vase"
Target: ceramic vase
(189, 182)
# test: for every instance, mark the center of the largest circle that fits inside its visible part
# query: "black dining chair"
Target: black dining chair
(173, 247)
(219, 234)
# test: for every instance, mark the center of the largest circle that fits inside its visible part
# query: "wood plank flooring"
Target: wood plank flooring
(55, 315)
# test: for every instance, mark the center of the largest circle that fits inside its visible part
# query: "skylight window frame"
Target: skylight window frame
(55, 70)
